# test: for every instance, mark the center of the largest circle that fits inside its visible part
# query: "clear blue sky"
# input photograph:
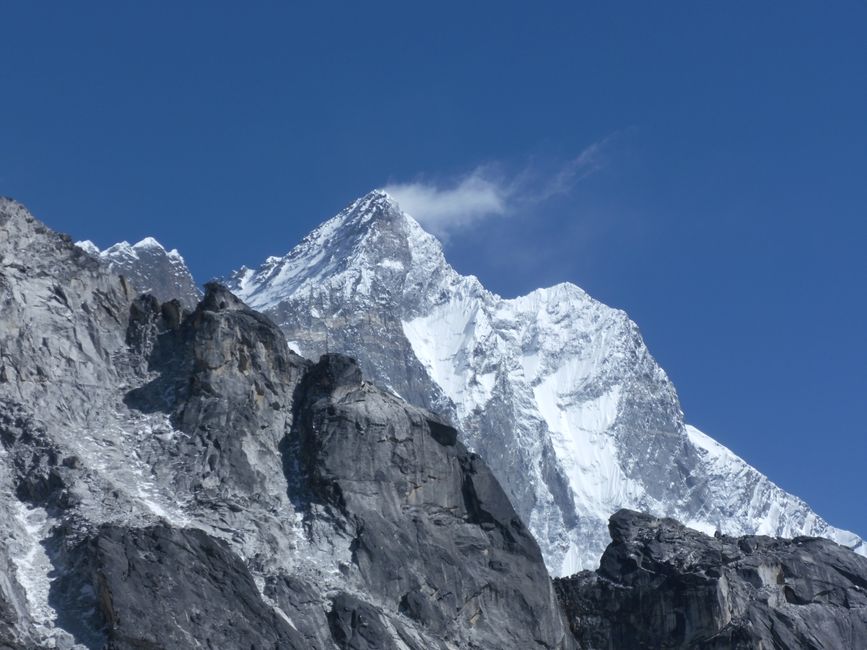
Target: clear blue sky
(702, 165)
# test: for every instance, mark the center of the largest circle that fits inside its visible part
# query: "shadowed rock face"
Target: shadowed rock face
(163, 587)
(662, 585)
(433, 534)
(227, 380)
(175, 478)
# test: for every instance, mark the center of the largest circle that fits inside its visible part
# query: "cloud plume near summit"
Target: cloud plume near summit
(488, 191)
(444, 208)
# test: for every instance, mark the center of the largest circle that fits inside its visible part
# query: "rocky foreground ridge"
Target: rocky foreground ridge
(662, 585)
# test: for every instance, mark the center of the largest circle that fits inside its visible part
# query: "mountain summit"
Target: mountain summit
(556, 390)
(370, 250)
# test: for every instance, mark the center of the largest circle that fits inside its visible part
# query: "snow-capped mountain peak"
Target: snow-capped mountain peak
(371, 248)
(556, 390)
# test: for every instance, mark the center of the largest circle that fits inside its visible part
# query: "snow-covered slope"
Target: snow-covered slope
(556, 390)
(150, 267)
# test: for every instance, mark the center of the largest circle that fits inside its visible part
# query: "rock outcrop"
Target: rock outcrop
(165, 587)
(433, 533)
(662, 585)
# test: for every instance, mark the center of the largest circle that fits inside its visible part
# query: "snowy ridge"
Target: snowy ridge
(556, 390)
(126, 250)
(151, 268)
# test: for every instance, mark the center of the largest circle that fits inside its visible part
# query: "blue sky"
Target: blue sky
(702, 165)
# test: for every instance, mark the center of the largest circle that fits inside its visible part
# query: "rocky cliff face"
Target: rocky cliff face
(555, 390)
(662, 585)
(174, 479)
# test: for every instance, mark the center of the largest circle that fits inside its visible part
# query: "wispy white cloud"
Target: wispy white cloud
(445, 207)
(589, 161)
(442, 209)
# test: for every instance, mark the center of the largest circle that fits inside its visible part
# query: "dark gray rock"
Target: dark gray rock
(662, 585)
(434, 536)
(355, 625)
(227, 378)
(304, 604)
(162, 587)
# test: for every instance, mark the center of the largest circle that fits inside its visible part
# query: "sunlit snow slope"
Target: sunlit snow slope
(556, 390)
